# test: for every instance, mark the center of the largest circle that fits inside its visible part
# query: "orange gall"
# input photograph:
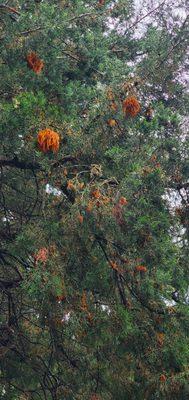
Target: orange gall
(48, 140)
(96, 194)
(60, 298)
(34, 62)
(89, 206)
(111, 122)
(70, 185)
(140, 268)
(123, 201)
(80, 218)
(131, 106)
(163, 378)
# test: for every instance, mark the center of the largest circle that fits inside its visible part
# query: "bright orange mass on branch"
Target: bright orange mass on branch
(162, 378)
(111, 122)
(96, 194)
(48, 140)
(80, 218)
(42, 255)
(70, 185)
(131, 106)
(140, 268)
(123, 201)
(34, 62)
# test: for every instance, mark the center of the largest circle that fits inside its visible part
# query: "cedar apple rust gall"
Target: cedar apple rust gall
(48, 140)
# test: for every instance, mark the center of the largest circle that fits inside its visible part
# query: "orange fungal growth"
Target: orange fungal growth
(115, 267)
(80, 218)
(123, 201)
(140, 268)
(160, 338)
(70, 185)
(96, 194)
(89, 206)
(60, 298)
(48, 140)
(162, 378)
(113, 106)
(131, 106)
(111, 122)
(42, 255)
(34, 62)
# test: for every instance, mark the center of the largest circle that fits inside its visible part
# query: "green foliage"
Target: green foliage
(90, 264)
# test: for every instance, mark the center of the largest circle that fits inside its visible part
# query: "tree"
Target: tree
(94, 251)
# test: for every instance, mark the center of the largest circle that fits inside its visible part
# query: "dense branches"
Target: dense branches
(94, 202)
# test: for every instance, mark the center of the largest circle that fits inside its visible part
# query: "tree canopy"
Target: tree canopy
(94, 202)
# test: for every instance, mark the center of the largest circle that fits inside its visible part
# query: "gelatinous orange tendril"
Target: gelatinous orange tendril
(96, 194)
(123, 201)
(48, 140)
(162, 378)
(141, 268)
(34, 62)
(131, 106)
(111, 122)
(42, 255)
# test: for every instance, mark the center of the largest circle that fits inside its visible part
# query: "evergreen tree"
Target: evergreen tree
(94, 201)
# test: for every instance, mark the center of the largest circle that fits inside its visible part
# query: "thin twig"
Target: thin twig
(69, 55)
(144, 16)
(7, 8)
(83, 16)
(24, 33)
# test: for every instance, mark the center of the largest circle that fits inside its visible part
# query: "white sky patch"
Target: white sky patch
(66, 317)
(173, 199)
(186, 297)
(9, 217)
(51, 190)
(148, 9)
(105, 308)
(177, 234)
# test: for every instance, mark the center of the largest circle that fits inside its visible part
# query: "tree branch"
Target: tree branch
(83, 16)
(19, 164)
(143, 17)
(7, 8)
(33, 166)
(25, 33)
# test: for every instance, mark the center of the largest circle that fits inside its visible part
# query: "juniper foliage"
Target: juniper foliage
(94, 237)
